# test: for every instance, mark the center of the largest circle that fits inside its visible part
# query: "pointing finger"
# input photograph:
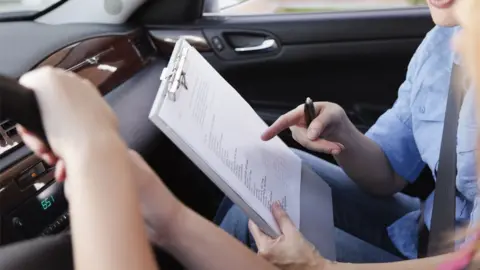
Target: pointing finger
(285, 121)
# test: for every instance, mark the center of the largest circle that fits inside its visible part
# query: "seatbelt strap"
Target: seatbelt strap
(443, 212)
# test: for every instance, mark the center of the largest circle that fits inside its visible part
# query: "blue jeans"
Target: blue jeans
(361, 220)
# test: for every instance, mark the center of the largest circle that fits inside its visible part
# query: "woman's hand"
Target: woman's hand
(322, 134)
(87, 150)
(290, 251)
(75, 100)
(150, 189)
(78, 101)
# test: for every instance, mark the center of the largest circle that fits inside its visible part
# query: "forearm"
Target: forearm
(431, 263)
(200, 245)
(365, 162)
(108, 230)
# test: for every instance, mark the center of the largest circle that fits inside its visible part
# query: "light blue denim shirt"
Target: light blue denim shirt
(410, 133)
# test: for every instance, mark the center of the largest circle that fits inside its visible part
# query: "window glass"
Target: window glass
(20, 6)
(246, 7)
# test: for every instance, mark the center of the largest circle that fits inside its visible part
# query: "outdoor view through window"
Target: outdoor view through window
(244, 7)
(14, 6)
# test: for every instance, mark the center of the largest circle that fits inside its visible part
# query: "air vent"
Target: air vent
(9, 133)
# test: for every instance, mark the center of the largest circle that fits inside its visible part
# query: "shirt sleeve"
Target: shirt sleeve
(393, 130)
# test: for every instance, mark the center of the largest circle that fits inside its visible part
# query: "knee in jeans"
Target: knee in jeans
(235, 222)
(332, 174)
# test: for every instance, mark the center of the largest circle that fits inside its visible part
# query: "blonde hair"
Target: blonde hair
(467, 43)
(468, 40)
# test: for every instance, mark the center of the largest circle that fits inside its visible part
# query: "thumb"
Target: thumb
(260, 238)
(318, 125)
(283, 220)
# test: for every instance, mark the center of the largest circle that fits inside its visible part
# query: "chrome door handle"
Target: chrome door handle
(267, 44)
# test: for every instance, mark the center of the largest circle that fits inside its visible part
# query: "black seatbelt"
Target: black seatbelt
(443, 212)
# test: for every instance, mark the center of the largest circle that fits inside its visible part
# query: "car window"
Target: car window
(246, 7)
(8, 7)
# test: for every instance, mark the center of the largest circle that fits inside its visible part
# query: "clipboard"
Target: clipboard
(173, 81)
(318, 228)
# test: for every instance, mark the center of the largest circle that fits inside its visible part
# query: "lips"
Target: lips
(441, 3)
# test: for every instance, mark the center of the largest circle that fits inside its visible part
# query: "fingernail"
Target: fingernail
(274, 205)
(312, 133)
(278, 206)
(335, 152)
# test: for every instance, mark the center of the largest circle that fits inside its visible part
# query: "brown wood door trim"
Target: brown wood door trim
(106, 61)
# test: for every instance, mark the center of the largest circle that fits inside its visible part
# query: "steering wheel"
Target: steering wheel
(50, 252)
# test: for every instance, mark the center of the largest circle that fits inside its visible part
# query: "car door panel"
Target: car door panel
(298, 28)
(348, 58)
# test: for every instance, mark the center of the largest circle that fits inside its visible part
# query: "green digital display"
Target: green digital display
(47, 202)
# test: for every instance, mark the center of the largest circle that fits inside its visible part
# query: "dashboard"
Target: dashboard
(32, 203)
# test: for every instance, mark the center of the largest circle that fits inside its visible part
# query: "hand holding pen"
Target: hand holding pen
(315, 125)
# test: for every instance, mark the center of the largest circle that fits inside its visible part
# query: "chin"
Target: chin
(443, 16)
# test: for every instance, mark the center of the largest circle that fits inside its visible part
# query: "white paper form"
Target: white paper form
(223, 130)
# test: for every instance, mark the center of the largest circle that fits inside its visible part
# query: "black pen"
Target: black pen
(309, 111)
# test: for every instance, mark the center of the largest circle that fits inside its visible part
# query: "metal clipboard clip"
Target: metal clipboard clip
(176, 77)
